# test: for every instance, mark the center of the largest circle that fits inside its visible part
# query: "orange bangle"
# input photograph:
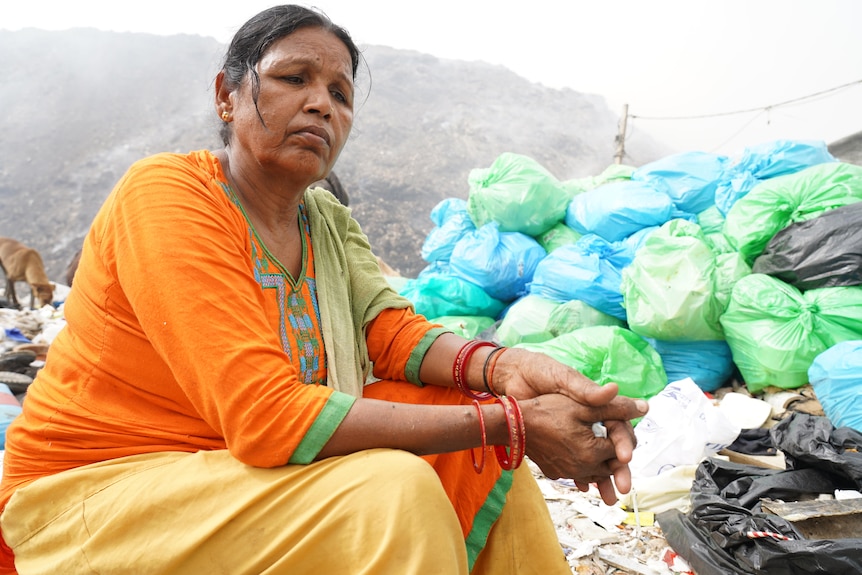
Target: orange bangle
(459, 368)
(480, 466)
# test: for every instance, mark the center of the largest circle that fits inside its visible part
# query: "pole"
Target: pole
(621, 136)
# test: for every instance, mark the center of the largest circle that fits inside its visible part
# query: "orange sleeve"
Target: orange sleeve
(397, 341)
(171, 343)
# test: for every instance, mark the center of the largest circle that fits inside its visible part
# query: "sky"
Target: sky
(713, 76)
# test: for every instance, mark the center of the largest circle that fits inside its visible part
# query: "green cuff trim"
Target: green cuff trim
(487, 516)
(411, 371)
(327, 421)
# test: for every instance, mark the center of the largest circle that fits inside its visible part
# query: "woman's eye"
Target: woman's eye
(339, 96)
(292, 79)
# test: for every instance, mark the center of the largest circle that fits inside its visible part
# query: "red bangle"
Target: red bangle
(480, 466)
(488, 370)
(459, 368)
(512, 458)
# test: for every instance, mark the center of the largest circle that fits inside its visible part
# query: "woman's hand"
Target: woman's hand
(526, 375)
(561, 441)
(522, 374)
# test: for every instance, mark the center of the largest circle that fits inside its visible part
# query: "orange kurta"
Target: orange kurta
(179, 338)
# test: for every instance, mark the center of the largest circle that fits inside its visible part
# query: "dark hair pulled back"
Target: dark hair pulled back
(252, 40)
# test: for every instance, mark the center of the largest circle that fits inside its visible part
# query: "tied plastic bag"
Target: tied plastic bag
(501, 263)
(689, 178)
(558, 236)
(776, 203)
(533, 319)
(612, 173)
(527, 320)
(518, 193)
(608, 354)
(618, 209)
(775, 331)
(435, 292)
(588, 270)
(676, 287)
(780, 157)
(822, 252)
(836, 377)
(732, 187)
(708, 363)
(576, 314)
(451, 222)
(682, 427)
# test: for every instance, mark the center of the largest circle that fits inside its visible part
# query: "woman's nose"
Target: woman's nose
(319, 101)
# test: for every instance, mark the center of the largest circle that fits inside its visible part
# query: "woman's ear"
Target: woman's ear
(222, 95)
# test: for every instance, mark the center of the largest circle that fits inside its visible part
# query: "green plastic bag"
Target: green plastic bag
(575, 314)
(517, 193)
(609, 354)
(719, 243)
(677, 287)
(775, 331)
(613, 172)
(776, 203)
(468, 326)
(710, 220)
(534, 319)
(526, 321)
(559, 235)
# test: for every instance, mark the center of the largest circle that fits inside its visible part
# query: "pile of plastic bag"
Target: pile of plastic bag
(696, 266)
(729, 529)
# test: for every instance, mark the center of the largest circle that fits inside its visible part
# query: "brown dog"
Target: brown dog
(21, 263)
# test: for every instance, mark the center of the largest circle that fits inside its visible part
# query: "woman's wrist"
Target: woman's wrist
(496, 424)
(468, 368)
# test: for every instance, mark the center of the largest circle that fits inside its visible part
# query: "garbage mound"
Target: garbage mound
(732, 268)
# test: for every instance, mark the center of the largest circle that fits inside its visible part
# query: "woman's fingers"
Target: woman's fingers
(622, 434)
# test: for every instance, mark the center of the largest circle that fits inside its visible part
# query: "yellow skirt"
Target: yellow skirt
(378, 511)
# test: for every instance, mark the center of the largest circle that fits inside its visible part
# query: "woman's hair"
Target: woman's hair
(254, 37)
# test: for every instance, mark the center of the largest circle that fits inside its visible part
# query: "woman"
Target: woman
(205, 410)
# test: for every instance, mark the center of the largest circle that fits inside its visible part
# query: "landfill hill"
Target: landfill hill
(81, 105)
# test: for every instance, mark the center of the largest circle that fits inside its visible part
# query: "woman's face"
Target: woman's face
(306, 102)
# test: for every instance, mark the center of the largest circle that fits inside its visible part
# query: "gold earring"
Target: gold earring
(225, 116)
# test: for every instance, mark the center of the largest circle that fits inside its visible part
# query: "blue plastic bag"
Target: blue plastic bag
(780, 157)
(501, 263)
(618, 209)
(689, 178)
(836, 377)
(732, 187)
(14, 334)
(708, 363)
(452, 222)
(590, 270)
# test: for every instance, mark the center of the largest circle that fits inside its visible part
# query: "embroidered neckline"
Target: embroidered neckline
(302, 221)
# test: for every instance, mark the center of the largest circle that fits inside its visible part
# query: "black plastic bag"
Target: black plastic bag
(825, 251)
(812, 441)
(727, 530)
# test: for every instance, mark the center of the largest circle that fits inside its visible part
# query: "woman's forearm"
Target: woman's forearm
(420, 429)
(437, 366)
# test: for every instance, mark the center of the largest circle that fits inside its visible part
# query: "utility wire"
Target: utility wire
(739, 131)
(758, 109)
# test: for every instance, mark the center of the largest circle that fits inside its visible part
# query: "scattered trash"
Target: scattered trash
(681, 428)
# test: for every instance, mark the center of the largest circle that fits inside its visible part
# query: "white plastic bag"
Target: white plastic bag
(681, 428)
